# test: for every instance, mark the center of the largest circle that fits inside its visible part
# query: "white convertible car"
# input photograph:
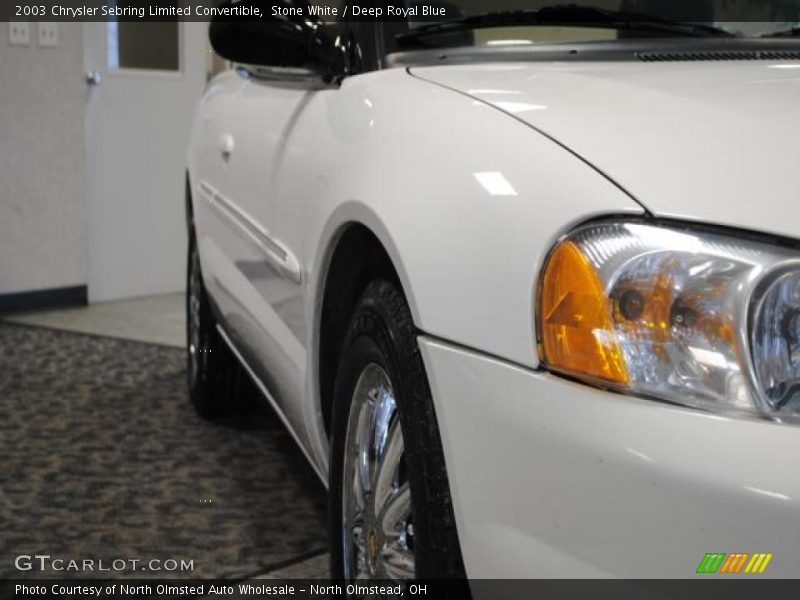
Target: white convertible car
(523, 285)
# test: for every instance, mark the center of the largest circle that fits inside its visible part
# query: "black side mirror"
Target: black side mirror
(286, 42)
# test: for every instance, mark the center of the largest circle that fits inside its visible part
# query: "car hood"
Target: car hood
(712, 142)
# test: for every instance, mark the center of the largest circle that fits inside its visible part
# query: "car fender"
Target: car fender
(467, 217)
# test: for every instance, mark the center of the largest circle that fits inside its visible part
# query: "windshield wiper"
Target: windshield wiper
(565, 15)
(793, 32)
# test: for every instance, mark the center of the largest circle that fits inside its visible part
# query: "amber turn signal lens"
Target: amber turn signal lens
(577, 330)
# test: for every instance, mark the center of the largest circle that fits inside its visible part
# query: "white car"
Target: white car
(530, 308)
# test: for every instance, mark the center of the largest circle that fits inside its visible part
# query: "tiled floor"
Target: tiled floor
(157, 320)
(153, 319)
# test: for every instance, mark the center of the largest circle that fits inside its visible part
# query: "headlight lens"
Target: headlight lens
(666, 313)
(776, 344)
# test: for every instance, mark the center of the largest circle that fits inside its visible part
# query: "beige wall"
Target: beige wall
(43, 219)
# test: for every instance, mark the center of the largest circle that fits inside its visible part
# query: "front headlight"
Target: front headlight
(776, 343)
(695, 318)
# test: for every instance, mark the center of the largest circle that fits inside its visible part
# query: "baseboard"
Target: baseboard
(41, 299)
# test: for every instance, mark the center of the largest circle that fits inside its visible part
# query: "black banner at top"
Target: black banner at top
(414, 11)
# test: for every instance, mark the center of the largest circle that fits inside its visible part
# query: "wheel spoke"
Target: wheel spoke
(396, 512)
(359, 493)
(397, 561)
(364, 462)
(385, 409)
(388, 466)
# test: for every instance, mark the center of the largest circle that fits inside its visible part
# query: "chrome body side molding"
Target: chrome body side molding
(278, 255)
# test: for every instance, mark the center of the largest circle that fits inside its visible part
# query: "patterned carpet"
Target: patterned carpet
(102, 457)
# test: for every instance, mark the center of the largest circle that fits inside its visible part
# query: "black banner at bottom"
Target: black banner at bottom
(482, 589)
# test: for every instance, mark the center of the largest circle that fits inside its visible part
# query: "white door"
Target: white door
(143, 82)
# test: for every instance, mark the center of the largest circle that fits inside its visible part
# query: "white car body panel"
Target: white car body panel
(559, 480)
(702, 141)
(467, 189)
(354, 154)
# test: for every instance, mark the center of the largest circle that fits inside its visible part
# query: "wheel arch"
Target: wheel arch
(358, 250)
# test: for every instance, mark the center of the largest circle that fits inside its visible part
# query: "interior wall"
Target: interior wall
(43, 218)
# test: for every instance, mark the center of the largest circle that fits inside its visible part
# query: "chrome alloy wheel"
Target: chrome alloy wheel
(376, 498)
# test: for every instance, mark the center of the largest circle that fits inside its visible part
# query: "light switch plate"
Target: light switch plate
(47, 34)
(19, 33)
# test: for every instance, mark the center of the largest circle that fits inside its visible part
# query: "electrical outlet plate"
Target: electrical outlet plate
(19, 33)
(47, 35)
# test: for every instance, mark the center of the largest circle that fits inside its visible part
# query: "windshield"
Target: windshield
(527, 22)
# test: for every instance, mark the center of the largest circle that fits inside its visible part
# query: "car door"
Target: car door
(261, 170)
(260, 288)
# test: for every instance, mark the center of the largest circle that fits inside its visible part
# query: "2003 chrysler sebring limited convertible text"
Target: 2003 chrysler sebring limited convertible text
(531, 308)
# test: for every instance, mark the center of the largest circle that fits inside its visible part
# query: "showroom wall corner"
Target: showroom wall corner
(43, 212)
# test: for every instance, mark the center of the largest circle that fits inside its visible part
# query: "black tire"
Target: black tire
(217, 384)
(382, 332)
